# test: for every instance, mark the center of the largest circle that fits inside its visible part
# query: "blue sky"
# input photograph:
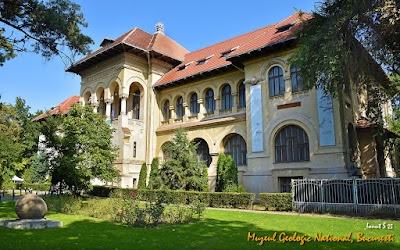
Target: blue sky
(193, 24)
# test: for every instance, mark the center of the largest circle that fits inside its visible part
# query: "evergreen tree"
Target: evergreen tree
(153, 183)
(142, 176)
(183, 170)
(226, 174)
(39, 168)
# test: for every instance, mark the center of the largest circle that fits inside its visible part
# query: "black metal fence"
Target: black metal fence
(354, 196)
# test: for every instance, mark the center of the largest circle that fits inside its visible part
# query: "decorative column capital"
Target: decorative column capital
(200, 101)
(123, 96)
(254, 80)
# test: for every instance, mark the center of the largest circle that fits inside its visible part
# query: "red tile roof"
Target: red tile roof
(61, 108)
(239, 45)
(136, 39)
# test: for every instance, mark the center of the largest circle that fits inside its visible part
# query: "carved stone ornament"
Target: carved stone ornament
(254, 80)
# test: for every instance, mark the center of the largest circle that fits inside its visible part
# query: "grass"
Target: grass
(219, 229)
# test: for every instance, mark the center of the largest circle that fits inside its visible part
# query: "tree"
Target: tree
(79, 148)
(48, 26)
(39, 168)
(153, 173)
(183, 170)
(344, 42)
(11, 148)
(227, 179)
(142, 176)
(18, 138)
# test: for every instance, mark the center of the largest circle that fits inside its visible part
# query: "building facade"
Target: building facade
(239, 97)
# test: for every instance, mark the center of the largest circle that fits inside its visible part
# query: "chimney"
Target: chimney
(160, 28)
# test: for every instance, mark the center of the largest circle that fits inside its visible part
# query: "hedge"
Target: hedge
(276, 201)
(36, 187)
(23, 186)
(211, 199)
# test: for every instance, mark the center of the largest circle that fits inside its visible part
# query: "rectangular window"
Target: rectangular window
(285, 183)
(134, 150)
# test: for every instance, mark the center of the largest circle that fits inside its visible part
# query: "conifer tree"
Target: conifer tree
(183, 170)
(142, 176)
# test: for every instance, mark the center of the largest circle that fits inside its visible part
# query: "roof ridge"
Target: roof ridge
(152, 41)
(245, 34)
(130, 33)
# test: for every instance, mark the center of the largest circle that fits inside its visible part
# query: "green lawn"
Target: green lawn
(218, 230)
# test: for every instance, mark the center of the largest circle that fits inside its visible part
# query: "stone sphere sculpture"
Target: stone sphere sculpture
(31, 206)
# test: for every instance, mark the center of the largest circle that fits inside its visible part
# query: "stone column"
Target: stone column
(108, 108)
(123, 103)
(212, 172)
(202, 109)
(217, 105)
(186, 110)
(173, 115)
(235, 101)
(95, 106)
(124, 116)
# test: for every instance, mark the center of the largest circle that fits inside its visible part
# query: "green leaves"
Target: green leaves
(227, 179)
(47, 27)
(79, 148)
(345, 39)
(183, 170)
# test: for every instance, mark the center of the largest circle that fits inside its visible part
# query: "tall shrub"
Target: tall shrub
(142, 176)
(183, 170)
(153, 173)
(226, 174)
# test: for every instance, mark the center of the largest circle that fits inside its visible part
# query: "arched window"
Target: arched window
(180, 112)
(226, 97)
(276, 82)
(236, 147)
(291, 145)
(166, 111)
(194, 106)
(297, 82)
(210, 101)
(136, 105)
(202, 151)
(242, 95)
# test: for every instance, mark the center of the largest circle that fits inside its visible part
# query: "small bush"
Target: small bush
(63, 204)
(211, 199)
(276, 201)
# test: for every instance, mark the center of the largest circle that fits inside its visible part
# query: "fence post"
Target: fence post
(322, 196)
(13, 193)
(394, 198)
(355, 195)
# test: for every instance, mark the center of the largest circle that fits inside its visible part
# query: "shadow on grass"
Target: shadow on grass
(81, 232)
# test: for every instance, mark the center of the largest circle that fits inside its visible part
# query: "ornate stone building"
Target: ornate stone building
(238, 97)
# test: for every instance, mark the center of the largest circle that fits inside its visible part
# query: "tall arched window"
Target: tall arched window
(297, 82)
(194, 106)
(180, 112)
(202, 151)
(291, 145)
(242, 95)
(166, 111)
(226, 97)
(136, 105)
(236, 147)
(276, 82)
(210, 101)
